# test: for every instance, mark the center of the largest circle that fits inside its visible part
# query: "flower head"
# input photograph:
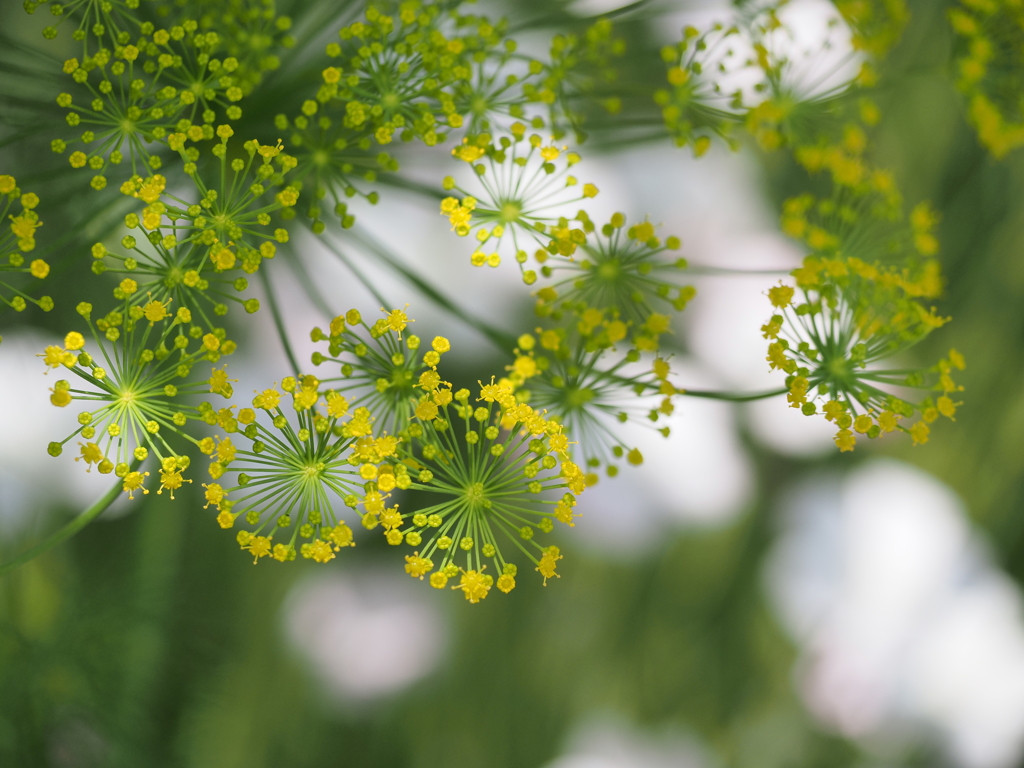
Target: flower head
(17, 237)
(232, 219)
(379, 368)
(523, 183)
(131, 91)
(298, 463)
(579, 376)
(623, 272)
(833, 342)
(131, 385)
(496, 475)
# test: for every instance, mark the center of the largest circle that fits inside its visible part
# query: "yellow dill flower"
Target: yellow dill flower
(833, 341)
(17, 237)
(865, 225)
(989, 58)
(134, 380)
(379, 369)
(623, 271)
(810, 94)
(591, 387)
(494, 473)
(232, 220)
(128, 95)
(174, 275)
(518, 190)
(695, 108)
(293, 469)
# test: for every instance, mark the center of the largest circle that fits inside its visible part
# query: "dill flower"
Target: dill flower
(392, 82)
(866, 220)
(294, 470)
(832, 335)
(522, 179)
(249, 32)
(333, 160)
(380, 369)
(578, 376)
(695, 109)
(16, 239)
(877, 25)
(806, 94)
(497, 476)
(131, 97)
(624, 270)
(233, 216)
(502, 84)
(141, 367)
(581, 70)
(187, 273)
(990, 57)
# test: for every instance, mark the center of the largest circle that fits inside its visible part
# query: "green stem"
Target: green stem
(733, 397)
(723, 271)
(69, 530)
(504, 341)
(278, 322)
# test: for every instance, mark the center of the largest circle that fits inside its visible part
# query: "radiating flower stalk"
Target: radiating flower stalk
(473, 484)
(495, 475)
(294, 471)
(379, 368)
(133, 385)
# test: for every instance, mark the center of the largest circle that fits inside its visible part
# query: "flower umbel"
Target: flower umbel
(498, 476)
(296, 471)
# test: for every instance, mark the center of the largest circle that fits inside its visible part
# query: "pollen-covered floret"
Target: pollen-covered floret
(17, 238)
(133, 386)
(297, 459)
(381, 366)
(496, 474)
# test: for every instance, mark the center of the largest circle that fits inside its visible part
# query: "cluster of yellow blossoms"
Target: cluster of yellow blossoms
(493, 470)
(16, 239)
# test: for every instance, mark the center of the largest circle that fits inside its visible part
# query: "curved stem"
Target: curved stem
(703, 271)
(733, 397)
(275, 312)
(69, 530)
(504, 341)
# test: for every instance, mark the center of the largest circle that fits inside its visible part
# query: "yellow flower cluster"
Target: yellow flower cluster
(988, 68)
(16, 239)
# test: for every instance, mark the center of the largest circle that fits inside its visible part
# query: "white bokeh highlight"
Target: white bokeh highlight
(364, 636)
(606, 741)
(905, 627)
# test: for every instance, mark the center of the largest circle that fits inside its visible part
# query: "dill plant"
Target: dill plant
(475, 482)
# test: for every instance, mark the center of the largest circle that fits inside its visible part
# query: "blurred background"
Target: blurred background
(748, 597)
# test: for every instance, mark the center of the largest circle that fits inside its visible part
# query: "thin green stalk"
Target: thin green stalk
(725, 272)
(278, 322)
(69, 530)
(733, 397)
(504, 341)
